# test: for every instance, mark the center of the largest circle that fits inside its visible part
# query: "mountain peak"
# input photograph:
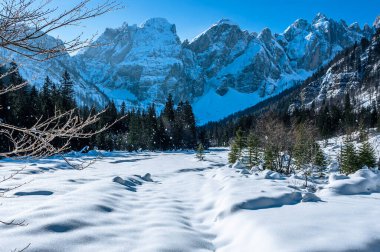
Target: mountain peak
(319, 18)
(376, 24)
(157, 23)
(265, 35)
(355, 27)
(225, 21)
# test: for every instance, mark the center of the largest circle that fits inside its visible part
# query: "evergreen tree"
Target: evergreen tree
(252, 150)
(269, 158)
(303, 147)
(319, 159)
(237, 147)
(189, 128)
(200, 152)
(178, 126)
(47, 99)
(167, 119)
(152, 129)
(67, 92)
(348, 158)
(367, 155)
(234, 153)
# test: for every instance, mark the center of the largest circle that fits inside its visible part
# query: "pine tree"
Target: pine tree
(234, 153)
(303, 147)
(269, 159)
(178, 126)
(47, 100)
(319, 159)
(348, 158)
(237, 147)
(252, 150)
(67, 92)
(167, 119)
(367, 155)
(200, 152)
(189, 128)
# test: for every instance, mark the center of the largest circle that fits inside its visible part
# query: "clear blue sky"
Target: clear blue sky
(194, 16)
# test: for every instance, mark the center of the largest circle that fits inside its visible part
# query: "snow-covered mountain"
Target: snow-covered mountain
(36, 71)
(354, 72)
(221, 71)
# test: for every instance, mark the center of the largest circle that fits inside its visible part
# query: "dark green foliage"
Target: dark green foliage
(234, 153)
(349, 158)
(269, 159)
(367, 155)
(200, 152)
(319, 159)
(253, 158)
(237, 147)
(134, 129)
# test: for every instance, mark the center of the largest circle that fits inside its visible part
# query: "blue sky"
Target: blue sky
(194, 16)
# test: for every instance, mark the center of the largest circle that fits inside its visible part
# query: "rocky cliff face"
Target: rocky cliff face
(149, 61)
(143, 64)
(354, 72)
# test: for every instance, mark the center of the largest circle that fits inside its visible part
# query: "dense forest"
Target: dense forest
(129, 129)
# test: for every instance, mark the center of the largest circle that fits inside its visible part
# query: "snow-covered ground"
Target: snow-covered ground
(186, 205)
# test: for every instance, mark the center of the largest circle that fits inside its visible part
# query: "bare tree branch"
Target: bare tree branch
(24, 25)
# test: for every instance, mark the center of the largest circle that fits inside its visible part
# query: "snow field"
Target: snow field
(185, 205)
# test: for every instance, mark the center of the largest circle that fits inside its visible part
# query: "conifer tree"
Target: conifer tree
(319, 159)
(189, 128)
(348, 158)
(200, 152)
(167, 119)
(47, 99)
(367, 155)
(237, 147)
(67, 92)
(252, 150)
(234, 153)
(269, 158)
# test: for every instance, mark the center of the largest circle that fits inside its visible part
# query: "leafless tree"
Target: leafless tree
(277, 137)
(24, 26)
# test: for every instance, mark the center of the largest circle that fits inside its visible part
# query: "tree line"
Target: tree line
(287, 149)
(172, 129)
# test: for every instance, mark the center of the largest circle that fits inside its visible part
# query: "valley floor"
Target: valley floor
(187, 205)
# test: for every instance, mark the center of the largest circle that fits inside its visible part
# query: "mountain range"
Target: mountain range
(221, 71)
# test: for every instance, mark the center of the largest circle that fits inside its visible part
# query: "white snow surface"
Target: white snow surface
(170, 201)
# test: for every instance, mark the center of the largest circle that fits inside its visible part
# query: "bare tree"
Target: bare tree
(276, 137)
(24, 26)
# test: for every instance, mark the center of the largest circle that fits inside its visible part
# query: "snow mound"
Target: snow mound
(364, 181)
(132, 182)
(238, 165)
(272, 175)
(290, 198)
(310, 197)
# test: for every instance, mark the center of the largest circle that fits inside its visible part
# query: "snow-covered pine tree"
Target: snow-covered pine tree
(319, 159)
(348, 158)
(304, 150)
(234, 154)
(269, 158)
(252, 150)
(367, 155)
(237, 147)
(200, 152)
